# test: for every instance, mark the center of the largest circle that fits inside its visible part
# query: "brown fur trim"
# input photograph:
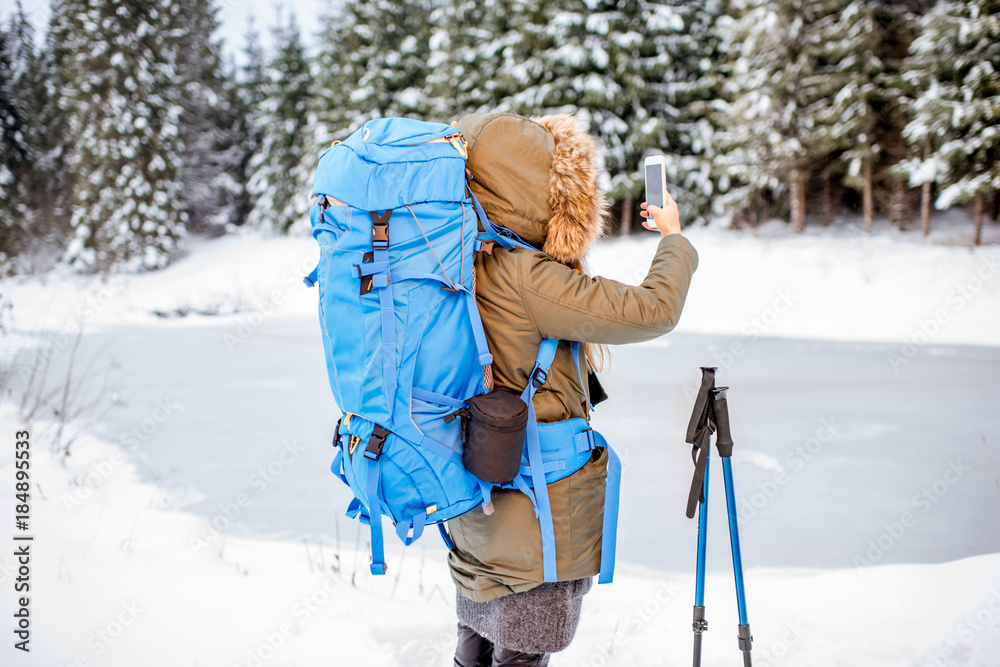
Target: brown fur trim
(578, 210)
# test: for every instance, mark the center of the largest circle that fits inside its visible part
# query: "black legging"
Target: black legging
(474, 650)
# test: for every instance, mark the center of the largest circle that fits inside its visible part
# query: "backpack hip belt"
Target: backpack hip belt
(558, 449)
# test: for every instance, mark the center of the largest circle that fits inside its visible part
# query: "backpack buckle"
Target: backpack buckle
(380, 229)
(374, 449)
(539, 376)
(336, 433)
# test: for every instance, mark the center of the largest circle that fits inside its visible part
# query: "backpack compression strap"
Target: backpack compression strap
(380, 249)
(373, 453)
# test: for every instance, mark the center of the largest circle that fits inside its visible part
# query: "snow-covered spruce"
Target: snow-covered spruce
(118, 73)
(281, 170)
(955, 65)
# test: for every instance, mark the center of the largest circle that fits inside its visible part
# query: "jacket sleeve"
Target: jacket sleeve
(567, 305)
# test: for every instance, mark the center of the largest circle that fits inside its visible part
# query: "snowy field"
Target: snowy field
(196, 523)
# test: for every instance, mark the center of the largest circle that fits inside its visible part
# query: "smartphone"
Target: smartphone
(655, 168)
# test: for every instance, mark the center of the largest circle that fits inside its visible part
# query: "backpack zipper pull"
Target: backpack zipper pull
(458, 141)
(462, 412)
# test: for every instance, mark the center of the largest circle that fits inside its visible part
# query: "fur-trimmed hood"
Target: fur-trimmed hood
(538, 178)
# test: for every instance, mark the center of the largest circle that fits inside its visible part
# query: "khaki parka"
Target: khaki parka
(537, 177)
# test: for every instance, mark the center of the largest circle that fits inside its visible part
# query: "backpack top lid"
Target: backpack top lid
(392, 162)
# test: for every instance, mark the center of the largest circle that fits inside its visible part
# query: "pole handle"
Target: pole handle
(720, 410)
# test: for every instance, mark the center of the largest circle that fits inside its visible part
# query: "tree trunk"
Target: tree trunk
(977, 218)
(803, 185)
(898, 208)
(868, 197)
(827, 202)
(627, 216)
(765, 213)
(996, 206)
(798, 202)
(925, 197)
(925, 208)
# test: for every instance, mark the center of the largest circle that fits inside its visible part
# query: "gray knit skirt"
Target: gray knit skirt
(542, 620)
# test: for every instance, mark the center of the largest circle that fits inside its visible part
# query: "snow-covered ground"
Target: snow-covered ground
(196, 522)
(829, 283)
(118, 582)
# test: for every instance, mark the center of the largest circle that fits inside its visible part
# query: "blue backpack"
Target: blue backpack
(398, 227)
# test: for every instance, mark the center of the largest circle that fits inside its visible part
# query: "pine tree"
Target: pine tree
(616, 66)
(117, 75)
(18, 64)
(782, 118)
(466, 58)
(894, 24)
(853, 46)
(632, 52)
(282, 168)
(210, 168)
(373, 62)
(332, 113)
(247, 99)
(53, 192)
(956, 65)
(680, 89)
(30, 207)
(11, 155)
(754, 147)
(547, 61)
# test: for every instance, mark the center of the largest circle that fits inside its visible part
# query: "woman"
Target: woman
(537, 178)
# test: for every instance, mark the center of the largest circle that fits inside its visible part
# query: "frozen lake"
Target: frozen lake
(839, 456)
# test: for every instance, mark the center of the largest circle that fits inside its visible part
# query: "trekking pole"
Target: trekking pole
(698, 432)
(711, 415)
(699, 624)
(724, 443)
